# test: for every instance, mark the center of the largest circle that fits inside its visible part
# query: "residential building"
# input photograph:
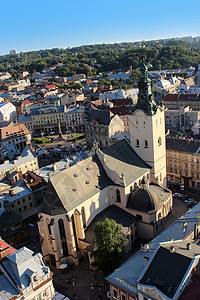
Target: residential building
(75, 97)
(5, 76)
(8, 152)
(183, 157)
(116, 94)
(175, 101)
(121, 108)
(13, 229)
(26, 120)
(186, 85)
(27, 160)
(140, 278)
(165, 86)
(75, 118)
(180, 120)
(120, 75)
(101, 125)
(18, 135)
(7, 113)
(78, 77)
(46, 118)
(24, 276)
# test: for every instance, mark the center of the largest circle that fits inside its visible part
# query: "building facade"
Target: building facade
(24, 276)
(18, 135)
(180, 120)
(75, 118)
(46, 118)
(101, 125)
(183, 158)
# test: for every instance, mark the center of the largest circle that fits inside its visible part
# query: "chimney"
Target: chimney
(146, 247)
(54, 167)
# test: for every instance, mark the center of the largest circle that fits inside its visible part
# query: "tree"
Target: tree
(109, 245)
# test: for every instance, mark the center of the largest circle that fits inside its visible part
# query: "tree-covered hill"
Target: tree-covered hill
(93, 59)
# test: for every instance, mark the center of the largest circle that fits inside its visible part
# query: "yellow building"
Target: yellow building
(183, 157)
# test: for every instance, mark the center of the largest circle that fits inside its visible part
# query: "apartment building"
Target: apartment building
(46, 118)
(183, 161)
(18, 135)
(181, 120)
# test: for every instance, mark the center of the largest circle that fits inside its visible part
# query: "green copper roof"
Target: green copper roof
(146, 100)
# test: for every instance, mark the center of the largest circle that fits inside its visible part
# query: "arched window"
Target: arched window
(83, 217)
(159, 141)
(63, 237)
(137, 143)
(118, 196)
(145, 144)
(74, 229)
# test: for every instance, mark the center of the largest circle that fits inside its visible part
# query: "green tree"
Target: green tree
(109, 242)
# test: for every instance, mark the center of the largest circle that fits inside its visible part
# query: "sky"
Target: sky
(45, 24)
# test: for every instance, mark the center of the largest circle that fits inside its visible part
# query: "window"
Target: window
(159, 141)
(123, 297)
(63, 237)
(29, 197)
(118, 196)
(146, 144)
(31, 204)
(137, 143)
(83, 217)
(24, 207)
(18, 202)
(20, 209)
(114, 292)
(23, 200)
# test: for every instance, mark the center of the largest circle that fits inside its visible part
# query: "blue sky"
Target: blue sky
(45, 24)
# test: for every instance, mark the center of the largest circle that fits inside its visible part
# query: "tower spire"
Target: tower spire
(146, 100)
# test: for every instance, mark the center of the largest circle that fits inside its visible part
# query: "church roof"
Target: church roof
(101, 116)
(72, 186)
(121, 158)
(148, 199)
(111, 212)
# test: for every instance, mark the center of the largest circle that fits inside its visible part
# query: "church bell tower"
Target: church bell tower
(147, 129)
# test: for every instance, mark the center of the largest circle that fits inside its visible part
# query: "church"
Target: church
(125, 181)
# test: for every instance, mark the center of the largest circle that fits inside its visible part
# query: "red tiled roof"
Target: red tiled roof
(10, 130)
(171, 97)
(50, 86)
(4, 245)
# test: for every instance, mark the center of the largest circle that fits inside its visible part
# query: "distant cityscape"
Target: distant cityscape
(92, 134)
